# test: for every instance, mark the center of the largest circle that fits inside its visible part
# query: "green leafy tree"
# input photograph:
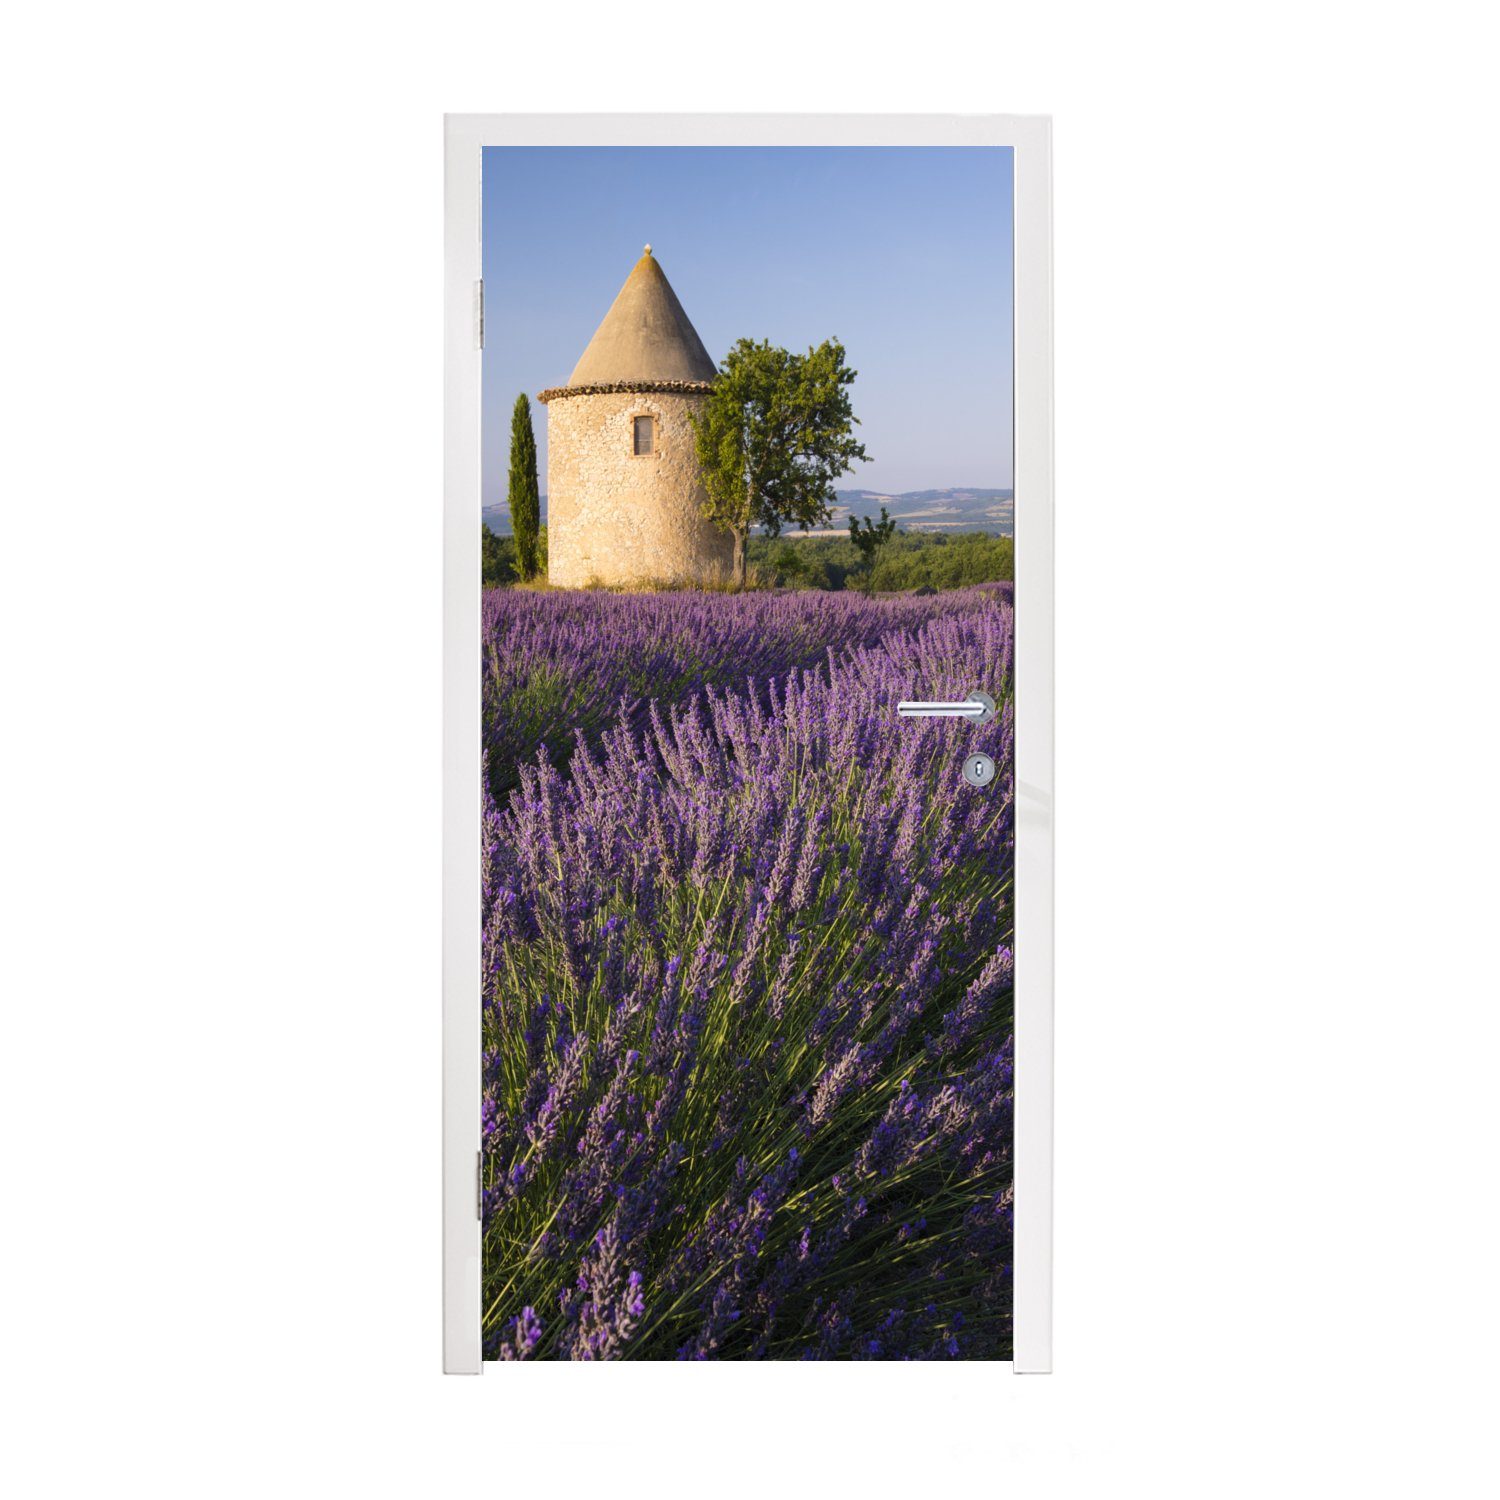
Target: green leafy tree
(523, 495)
(788, 562)
(869, 538)
(776, 431)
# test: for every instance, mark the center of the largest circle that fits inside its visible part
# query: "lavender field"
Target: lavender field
(748, 978)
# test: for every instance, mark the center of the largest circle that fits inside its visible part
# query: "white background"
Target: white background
(219, 609)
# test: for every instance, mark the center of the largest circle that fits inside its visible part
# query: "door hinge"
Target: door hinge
(479, 1187)
(479, 310)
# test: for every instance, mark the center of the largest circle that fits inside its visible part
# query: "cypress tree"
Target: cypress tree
(523, 495)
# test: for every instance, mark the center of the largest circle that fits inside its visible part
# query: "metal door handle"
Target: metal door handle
(978, 707)
(965, 710)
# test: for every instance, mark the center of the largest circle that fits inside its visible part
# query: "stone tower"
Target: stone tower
(623, 484)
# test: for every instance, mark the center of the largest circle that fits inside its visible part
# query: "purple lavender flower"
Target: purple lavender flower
(748, 976)
(525, 1335)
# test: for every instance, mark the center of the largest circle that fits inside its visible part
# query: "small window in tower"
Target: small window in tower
(645, 436)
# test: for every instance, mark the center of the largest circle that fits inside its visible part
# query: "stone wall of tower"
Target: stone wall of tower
(614, 518)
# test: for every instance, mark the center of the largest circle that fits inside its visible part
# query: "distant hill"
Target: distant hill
(497, 517)
(933, 510)
(913, 510)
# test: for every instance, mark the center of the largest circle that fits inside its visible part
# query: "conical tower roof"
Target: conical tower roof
(645, 336)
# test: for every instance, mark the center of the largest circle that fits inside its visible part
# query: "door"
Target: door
(748, 758)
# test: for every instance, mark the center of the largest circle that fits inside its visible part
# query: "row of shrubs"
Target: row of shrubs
(909, 560)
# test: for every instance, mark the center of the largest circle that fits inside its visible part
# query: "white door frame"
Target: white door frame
(466, 136)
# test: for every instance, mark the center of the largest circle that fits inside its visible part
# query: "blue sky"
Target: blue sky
(904, 254)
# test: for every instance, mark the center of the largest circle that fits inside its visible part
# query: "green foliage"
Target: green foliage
(776, 431)
(869, 537)
(946, 562)
(905, 561)
(789, 562)
(523, 494)
(498, 557)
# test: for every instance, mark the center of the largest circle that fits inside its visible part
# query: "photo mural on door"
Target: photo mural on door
(748, 723)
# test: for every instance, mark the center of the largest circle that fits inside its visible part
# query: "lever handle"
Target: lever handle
(978, 708)
(917, 710)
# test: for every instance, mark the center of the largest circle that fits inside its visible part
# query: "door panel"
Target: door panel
(747, 908)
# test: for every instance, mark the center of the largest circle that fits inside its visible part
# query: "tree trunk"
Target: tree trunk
(740, 533)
